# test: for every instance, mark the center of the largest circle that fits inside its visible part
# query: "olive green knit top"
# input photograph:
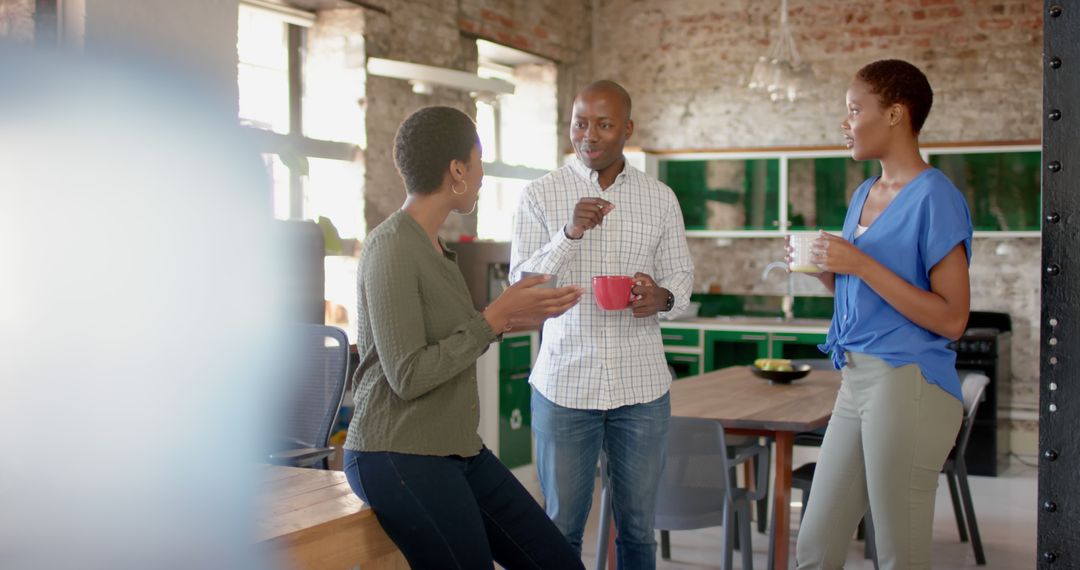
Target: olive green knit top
(419, 338)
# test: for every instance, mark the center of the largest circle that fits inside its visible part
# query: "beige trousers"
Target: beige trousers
(889, 435)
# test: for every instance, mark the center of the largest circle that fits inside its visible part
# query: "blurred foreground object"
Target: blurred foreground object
(139, 344)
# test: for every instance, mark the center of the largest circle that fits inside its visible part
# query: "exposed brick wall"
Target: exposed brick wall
(422, 32)
(555, 29)
(442, 33)
(685, 63)
(560, 30)
(16, 21)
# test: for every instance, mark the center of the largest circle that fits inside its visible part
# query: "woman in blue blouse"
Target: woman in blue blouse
(900, 278)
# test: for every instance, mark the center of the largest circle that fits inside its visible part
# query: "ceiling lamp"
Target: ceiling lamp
(781, 73)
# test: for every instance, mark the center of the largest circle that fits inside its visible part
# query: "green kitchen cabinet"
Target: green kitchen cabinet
(820, 188)
(685, 363)
(741, 192)
(515, 353)
(796, 346)
(515, 418)
(1003, 189)
(725, 194)
(734, 348)
(680, 336)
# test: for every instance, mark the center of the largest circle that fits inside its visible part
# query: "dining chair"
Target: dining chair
(733, 442)
(698, 488)
(956, 474)
(313, 397)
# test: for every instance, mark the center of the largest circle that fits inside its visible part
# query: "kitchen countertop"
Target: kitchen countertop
(751, 324)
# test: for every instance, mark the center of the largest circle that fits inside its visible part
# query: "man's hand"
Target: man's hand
(588, 213)
(649, 297)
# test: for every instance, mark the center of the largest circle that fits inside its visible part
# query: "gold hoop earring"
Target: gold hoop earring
(463, 188)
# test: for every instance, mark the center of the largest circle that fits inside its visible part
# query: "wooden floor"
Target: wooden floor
(1004, 507)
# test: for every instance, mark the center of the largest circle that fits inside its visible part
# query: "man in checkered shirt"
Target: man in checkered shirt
(601, 380)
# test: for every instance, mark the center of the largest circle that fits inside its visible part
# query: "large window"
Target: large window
(299, 91)
(263, 72)
(518, 133)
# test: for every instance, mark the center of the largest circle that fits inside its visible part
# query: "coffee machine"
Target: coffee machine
(486, 267)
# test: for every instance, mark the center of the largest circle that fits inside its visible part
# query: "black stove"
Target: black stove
(985, 348)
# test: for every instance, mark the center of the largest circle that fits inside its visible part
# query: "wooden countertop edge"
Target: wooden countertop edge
(350, 540)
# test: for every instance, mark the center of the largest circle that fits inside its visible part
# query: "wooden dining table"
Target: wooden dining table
(747, 405)
(310, 518)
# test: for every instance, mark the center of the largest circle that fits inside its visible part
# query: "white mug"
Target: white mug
(801, 256)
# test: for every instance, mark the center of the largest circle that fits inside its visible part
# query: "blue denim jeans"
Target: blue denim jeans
(568, 444)
(457, 512)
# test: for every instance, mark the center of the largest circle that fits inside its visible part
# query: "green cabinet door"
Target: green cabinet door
(680, 337)
(685, 364)
(515, 353)
(734, 348)
(797, 346)
(515, 419)
(1003, 189)
(725, 194)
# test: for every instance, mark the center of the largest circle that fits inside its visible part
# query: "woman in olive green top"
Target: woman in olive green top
(412, 452)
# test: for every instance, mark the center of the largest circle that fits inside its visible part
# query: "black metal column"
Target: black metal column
(1059, 393)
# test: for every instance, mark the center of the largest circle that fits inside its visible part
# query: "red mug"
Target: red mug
(612, 292)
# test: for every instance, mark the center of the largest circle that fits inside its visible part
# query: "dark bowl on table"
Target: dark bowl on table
(782, 376)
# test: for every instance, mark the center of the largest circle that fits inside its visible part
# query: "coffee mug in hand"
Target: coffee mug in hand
(612, 292)
(801, 256)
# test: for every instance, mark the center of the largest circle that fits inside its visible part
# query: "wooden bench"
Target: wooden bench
(310, 518)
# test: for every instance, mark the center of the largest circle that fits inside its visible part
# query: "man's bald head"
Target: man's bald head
(608, 87)
(600, 125)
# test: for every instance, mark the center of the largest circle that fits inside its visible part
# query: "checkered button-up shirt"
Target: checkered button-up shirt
(591, 358)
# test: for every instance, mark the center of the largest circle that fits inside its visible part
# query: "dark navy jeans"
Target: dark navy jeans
(457, 512)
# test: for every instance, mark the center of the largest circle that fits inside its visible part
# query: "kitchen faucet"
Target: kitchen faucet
(788, 303)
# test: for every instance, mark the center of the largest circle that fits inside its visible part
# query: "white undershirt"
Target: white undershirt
(860, 229)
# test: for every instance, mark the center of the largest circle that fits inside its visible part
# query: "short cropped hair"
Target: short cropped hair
(427, 141)
(897, 81)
